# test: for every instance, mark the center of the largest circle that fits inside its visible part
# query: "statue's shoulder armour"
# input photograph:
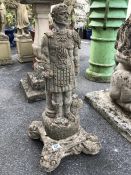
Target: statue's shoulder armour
(49, 34)
(75, 36)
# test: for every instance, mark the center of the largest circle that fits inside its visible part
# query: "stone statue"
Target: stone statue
(120, 90)
(2, 17)
(22, 19)
(59, 64)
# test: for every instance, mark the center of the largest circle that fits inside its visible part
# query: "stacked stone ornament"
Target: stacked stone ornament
(60, 129)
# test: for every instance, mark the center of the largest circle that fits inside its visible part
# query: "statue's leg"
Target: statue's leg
(3, 28)
(57, 102)
(49, 107)
(67, 100)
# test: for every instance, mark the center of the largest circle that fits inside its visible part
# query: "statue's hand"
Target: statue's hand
(47, 74)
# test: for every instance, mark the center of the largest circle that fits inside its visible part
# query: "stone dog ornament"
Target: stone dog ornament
(120, 90)
(60, 129)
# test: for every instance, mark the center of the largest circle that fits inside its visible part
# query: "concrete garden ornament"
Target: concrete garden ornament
(22, 19)
(5, 52)
(23, 38)
(60, 128)
(120, 90)
(2, 17)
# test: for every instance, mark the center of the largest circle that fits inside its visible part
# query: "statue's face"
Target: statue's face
(61, 17)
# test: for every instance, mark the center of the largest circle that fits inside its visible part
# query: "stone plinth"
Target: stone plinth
(5, 51)
(60, 128)
(34, 88)
(54, 150)
(25, 50)
(113, 113)
(62, 137)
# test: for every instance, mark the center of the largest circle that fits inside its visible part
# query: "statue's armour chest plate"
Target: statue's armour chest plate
(61, 50)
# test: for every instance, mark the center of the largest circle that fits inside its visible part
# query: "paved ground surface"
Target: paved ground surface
(19, 155)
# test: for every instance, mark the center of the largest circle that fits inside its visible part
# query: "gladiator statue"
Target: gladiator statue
(60, 129)
(2, 17)
(60, 64)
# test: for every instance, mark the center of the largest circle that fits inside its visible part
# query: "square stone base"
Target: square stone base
(25, 50)
(5, 52)
(113, 113)
(55, 150)
(32, 95)
(5, 62)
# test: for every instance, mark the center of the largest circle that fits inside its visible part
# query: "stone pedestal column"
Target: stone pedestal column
(24, 47)
(5, 51)
(41, 12)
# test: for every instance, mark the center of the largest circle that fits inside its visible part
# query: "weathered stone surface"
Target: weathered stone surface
(31, 94)
(35, 82)
(113, 113)
(54, 150)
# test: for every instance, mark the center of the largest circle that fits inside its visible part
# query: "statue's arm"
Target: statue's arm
(45, 53)
(44, 62)
(76, 60)
(75, 52)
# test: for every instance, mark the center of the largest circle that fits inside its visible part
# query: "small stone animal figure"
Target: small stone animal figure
(120, 90)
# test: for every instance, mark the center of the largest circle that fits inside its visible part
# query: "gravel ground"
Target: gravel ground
(19, 155)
